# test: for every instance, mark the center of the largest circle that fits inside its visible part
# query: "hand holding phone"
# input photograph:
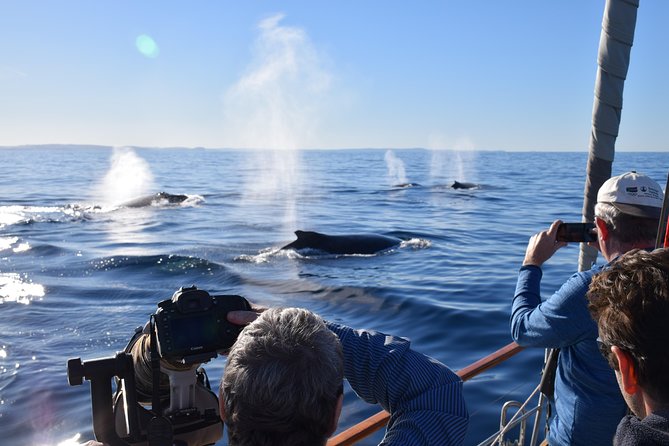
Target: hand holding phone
(576, 232)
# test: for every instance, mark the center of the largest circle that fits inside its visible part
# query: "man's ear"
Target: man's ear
(628, 372)
(602, 230)
(337, 413)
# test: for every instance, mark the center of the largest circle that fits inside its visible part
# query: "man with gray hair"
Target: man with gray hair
(588, 405)
(283, 383)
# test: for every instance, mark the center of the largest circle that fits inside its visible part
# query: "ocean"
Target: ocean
(78, 273)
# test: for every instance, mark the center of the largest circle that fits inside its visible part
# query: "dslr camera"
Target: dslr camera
(162, 395)
(191, 327)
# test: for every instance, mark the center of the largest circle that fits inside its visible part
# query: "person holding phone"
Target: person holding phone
(588, 405)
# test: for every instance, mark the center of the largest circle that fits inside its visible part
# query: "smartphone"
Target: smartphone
(576, 232)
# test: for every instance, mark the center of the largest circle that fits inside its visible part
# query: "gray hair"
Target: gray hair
(282, 380)
(627, 228)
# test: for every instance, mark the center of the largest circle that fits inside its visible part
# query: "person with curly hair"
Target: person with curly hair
(630, 303)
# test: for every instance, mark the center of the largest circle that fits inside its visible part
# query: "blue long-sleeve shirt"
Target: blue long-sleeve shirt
(423, 396)
(588, 403)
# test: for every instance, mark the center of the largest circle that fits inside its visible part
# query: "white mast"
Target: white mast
(615, 44)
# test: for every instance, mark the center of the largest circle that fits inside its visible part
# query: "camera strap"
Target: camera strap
(160, 431)
(155, 368)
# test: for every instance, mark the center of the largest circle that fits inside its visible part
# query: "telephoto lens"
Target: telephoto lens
(141, 357)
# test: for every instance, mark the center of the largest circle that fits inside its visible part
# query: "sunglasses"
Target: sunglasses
(605, 350)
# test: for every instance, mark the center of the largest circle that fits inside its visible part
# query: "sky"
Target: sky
(475, 74)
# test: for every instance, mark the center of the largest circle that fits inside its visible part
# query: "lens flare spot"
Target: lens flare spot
(147, 46)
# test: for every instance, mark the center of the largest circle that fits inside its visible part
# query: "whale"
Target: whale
(155, 199)
(404, 185)
(342, 244)
(458, 185)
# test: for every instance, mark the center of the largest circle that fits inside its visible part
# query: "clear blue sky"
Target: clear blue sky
(474, 74)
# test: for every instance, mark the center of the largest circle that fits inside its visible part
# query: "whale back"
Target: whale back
(342, 244)
(149, 200)
(170, 198)
(458, 185)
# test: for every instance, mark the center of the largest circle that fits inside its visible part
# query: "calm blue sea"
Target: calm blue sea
(78, 273)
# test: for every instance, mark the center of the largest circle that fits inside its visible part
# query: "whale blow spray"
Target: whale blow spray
(128, 177)
(274, 106)
(396, 171)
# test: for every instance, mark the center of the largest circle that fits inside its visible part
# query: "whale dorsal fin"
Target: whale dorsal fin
(306, 234)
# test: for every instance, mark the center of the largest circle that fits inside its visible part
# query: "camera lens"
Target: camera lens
(141, 358)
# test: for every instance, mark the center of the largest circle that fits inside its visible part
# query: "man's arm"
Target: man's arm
(558, 321)
(423, 396)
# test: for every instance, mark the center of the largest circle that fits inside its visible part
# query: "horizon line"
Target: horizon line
(103, 146)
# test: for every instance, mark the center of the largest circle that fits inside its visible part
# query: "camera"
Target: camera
(576, 232)
(162, 395)
(191, 327)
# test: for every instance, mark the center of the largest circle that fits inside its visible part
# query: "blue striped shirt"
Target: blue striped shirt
(423, 396)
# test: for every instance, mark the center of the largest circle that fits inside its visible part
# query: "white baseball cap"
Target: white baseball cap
(634, 194)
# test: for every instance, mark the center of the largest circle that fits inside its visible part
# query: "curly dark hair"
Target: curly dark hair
(630, 303)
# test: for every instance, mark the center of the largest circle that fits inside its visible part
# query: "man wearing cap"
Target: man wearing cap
(588, 405)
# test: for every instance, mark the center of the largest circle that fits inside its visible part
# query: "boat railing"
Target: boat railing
(520, 418)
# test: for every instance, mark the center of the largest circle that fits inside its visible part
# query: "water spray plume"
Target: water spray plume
(128, 177)
(396, 171)
(275, 106)
(448, 160)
